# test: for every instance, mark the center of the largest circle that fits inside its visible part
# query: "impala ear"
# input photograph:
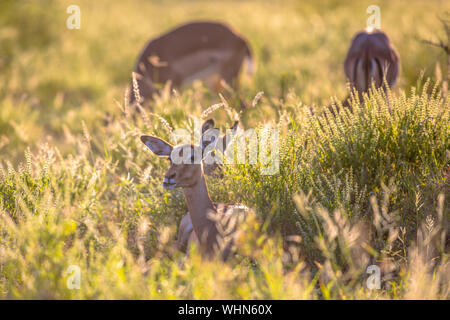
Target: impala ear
(157, 146)
(208, 124)
(227, 137)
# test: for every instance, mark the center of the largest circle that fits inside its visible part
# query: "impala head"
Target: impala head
(371, 57)
(185, 162)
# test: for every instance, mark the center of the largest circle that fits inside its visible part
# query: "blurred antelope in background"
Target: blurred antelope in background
(208, 51)
(371, 58)
(221, 144)
(202, 223)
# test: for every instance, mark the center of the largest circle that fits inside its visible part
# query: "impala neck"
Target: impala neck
(199, 204)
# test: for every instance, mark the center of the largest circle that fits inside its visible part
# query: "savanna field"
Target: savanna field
(79, 191)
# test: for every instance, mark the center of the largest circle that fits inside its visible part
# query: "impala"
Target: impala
(208, 51)
(371, 57)
(202, 224)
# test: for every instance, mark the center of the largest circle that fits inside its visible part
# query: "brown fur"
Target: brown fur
(371, 57)
(203, 215)
(209, 51)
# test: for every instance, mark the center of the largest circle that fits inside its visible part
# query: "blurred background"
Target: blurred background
(53, 78)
